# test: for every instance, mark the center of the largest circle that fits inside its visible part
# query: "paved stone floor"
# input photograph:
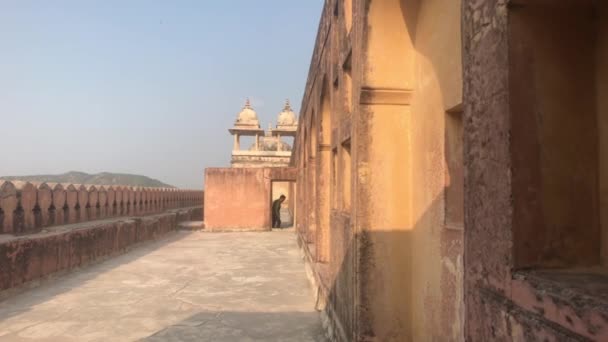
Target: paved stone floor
(191, 286)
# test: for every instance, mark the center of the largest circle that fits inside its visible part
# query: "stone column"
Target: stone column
(236, 142)
(257, 142)
(323, 203)
(279, 149)
(311, 199)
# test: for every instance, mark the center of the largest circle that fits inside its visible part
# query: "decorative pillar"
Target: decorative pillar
(257, 142)
(279, 148)
(237, 146)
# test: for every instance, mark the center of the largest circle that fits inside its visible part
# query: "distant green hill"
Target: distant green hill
(104, 178)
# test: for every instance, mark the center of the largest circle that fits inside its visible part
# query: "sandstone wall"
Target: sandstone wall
(435, 148)
(371, 152)
(34, 257)
(454, 188)
(532, 235)
(602, 84)
(240, 198)
(29, 207)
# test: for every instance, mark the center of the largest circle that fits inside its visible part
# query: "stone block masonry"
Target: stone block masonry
(29, 259)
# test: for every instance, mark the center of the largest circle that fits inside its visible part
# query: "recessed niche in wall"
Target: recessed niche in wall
(334, 179)
(347, 85)
(558, 136)
(346, 176)
(454, 175)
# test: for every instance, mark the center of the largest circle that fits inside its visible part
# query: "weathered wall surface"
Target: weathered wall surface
(371, 143)
(237, 198)
(439, 195)
(437, 248)
(523, 74)
(324, 125)
(28, 207)
(552, 75)
(240, 198)
(602, 109)
(31, 258)
(382, 127)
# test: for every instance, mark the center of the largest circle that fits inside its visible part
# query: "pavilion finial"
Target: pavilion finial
(287, 105)
(247, 103)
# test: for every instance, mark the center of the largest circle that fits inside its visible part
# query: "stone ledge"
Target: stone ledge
(191, 225)
(576, 299)
(26, 261)
(237, 230)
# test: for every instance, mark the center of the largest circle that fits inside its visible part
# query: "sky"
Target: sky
(145, 87)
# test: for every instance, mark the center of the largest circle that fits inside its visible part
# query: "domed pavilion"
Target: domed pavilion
(268, 149)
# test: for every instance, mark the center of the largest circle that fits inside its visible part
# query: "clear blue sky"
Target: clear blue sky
(142, 86)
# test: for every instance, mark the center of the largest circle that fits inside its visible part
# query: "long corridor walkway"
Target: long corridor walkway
(188, 287)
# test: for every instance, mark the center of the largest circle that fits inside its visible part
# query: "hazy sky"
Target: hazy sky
(145, 87)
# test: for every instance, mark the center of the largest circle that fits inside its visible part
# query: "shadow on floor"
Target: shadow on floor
(244, 326)
(65, 281)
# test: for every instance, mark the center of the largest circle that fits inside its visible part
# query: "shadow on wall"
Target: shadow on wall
(393, 272)
(244, 326)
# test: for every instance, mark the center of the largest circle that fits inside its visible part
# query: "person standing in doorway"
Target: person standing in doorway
(276, 212)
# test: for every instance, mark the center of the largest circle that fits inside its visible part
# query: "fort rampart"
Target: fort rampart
(27, 207)
(26, 260)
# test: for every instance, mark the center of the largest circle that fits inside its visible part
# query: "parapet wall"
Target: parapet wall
(28, 259)
(28, 207)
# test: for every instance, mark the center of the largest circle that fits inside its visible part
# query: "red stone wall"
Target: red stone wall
(240, 198)
(28, 207)
(34, 257)
(528, 229)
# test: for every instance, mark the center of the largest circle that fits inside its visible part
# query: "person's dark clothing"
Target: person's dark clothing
(276, 214)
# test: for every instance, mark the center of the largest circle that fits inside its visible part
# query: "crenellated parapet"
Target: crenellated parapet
(28, 207)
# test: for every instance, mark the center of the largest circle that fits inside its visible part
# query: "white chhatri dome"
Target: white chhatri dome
(247, 116)
(287, 117)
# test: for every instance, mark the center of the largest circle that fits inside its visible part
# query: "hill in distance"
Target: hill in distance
(104, 178)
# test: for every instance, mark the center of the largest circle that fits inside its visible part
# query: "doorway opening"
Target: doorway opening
(287, 214)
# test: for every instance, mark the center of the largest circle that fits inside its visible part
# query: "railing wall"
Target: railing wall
(27, 207)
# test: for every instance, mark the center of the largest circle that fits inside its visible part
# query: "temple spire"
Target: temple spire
(287, 105)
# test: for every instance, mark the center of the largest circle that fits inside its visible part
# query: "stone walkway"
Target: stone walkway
(188, 287)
